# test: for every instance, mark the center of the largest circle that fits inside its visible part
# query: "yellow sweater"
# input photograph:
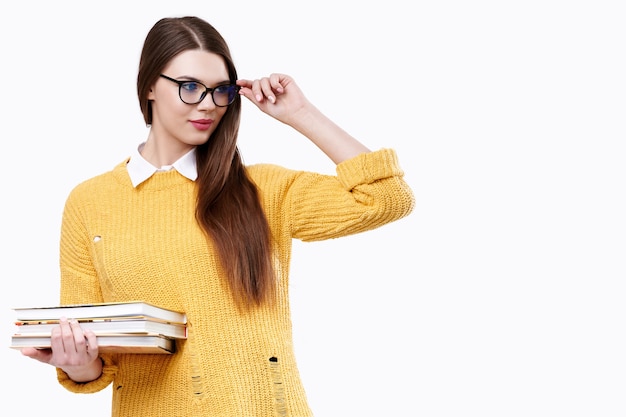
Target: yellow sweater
(119, 243)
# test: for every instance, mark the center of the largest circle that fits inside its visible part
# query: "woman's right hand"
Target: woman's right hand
(73, 350)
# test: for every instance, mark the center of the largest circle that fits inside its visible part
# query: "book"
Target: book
(98, 310)
(120, 343)
(103, 326)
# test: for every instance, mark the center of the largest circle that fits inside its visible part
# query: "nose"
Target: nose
(207, 103)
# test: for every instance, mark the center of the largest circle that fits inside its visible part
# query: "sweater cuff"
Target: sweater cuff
(109, 369)
(369, 167)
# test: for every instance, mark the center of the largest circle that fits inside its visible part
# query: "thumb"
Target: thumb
(42, 355)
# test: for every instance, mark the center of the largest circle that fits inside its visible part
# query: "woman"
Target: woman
(185, 225)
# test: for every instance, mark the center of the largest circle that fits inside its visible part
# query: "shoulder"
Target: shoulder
(102, 183)
(266, 174)
(261, 168)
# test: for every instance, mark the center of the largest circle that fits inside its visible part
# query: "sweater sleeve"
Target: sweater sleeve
(79, 281)
(109, 369)
(368, 191)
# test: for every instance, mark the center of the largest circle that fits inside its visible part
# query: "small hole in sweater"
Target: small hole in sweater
(273, 359)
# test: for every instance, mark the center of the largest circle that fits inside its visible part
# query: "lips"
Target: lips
(202, 124)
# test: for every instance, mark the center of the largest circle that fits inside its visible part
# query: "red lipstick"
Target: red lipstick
(202, 124)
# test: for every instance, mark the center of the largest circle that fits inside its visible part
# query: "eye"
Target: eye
(191, 87)
(222, 89)
(228, 90)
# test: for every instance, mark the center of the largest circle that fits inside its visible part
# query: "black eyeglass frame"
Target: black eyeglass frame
(206, 90)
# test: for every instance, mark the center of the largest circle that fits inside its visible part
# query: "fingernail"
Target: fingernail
(258, 97)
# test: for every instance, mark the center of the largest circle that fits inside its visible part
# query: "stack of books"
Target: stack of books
(123, 327)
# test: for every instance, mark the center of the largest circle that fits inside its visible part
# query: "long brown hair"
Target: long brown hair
(228, 207)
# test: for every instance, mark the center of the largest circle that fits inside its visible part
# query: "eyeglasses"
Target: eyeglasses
(193, 92)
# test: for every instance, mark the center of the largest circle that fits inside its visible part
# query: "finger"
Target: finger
(78, 337)
(244, 83)
(57, 335)
(31, 352)
(42, 355)
(276, 83)
(257, 89)
(92, 342)
(268, 85)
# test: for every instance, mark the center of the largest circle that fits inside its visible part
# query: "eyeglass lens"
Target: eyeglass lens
(192, 92)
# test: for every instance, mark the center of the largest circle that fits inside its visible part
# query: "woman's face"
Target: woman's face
(175, 123)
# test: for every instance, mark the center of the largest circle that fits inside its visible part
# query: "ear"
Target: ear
(151, 93)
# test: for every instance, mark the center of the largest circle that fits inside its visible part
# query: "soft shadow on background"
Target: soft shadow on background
(501, 295)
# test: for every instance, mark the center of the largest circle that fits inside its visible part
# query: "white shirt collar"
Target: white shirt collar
(140, 170)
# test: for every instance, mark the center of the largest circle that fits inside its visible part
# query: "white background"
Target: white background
(502, 294)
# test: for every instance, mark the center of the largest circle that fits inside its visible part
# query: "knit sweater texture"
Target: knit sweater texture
(120, 243)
